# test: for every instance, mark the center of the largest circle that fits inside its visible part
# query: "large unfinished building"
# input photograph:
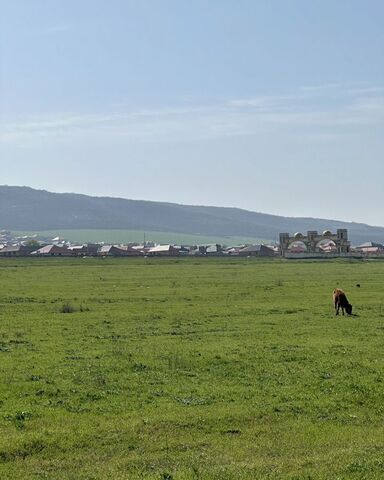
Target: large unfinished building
(313, 241)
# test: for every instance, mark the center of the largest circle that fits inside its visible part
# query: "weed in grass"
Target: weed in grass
(176, 361)
(18, 419)
(166, 476)
(139, 367)
(4, 347)
(30, 448)
(67, 308)
(191, 401)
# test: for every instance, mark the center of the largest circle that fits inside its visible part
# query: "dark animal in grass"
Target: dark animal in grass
(340, 301)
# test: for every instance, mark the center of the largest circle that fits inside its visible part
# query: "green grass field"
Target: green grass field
(190, 369)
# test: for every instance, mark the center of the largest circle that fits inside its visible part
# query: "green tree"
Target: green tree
(32, 243)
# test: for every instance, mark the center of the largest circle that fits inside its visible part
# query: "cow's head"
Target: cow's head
(348, 309)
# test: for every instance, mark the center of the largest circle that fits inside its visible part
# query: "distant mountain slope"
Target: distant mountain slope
(23, 208)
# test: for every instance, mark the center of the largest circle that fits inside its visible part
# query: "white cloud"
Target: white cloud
(298, 111)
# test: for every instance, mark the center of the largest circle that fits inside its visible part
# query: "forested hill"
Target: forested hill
(24, 208)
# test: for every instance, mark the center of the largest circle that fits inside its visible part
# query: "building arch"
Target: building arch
(326, 245)
(297, 246)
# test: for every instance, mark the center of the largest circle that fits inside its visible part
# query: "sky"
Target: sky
(275, 106)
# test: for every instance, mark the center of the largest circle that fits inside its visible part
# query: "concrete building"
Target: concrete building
(163, 251)
(311, 243)
(52, 251)
(16, 251)
(256, 251)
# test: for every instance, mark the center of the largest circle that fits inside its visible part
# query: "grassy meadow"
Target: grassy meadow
(190, 369)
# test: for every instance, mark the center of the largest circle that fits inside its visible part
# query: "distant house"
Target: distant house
(163, 251)
(78, 250)
(256, 251)
(16, 251)
(213, 250)
(184, 250)
(371, 248)
(118, 251)
(210, 250)
(53, 251)
(233, 251)
(131, 251)
(143, 249)
(111, 251)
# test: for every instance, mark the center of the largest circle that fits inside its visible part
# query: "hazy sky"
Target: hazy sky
(271, 105)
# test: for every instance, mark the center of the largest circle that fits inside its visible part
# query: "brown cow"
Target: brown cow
(340, 301)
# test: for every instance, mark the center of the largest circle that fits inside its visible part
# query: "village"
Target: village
(36, 246)
(299, 246)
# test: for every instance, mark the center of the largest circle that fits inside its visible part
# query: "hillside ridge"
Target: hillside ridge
(25, 208)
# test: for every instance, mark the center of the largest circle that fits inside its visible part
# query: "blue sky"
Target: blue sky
(274, 106)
